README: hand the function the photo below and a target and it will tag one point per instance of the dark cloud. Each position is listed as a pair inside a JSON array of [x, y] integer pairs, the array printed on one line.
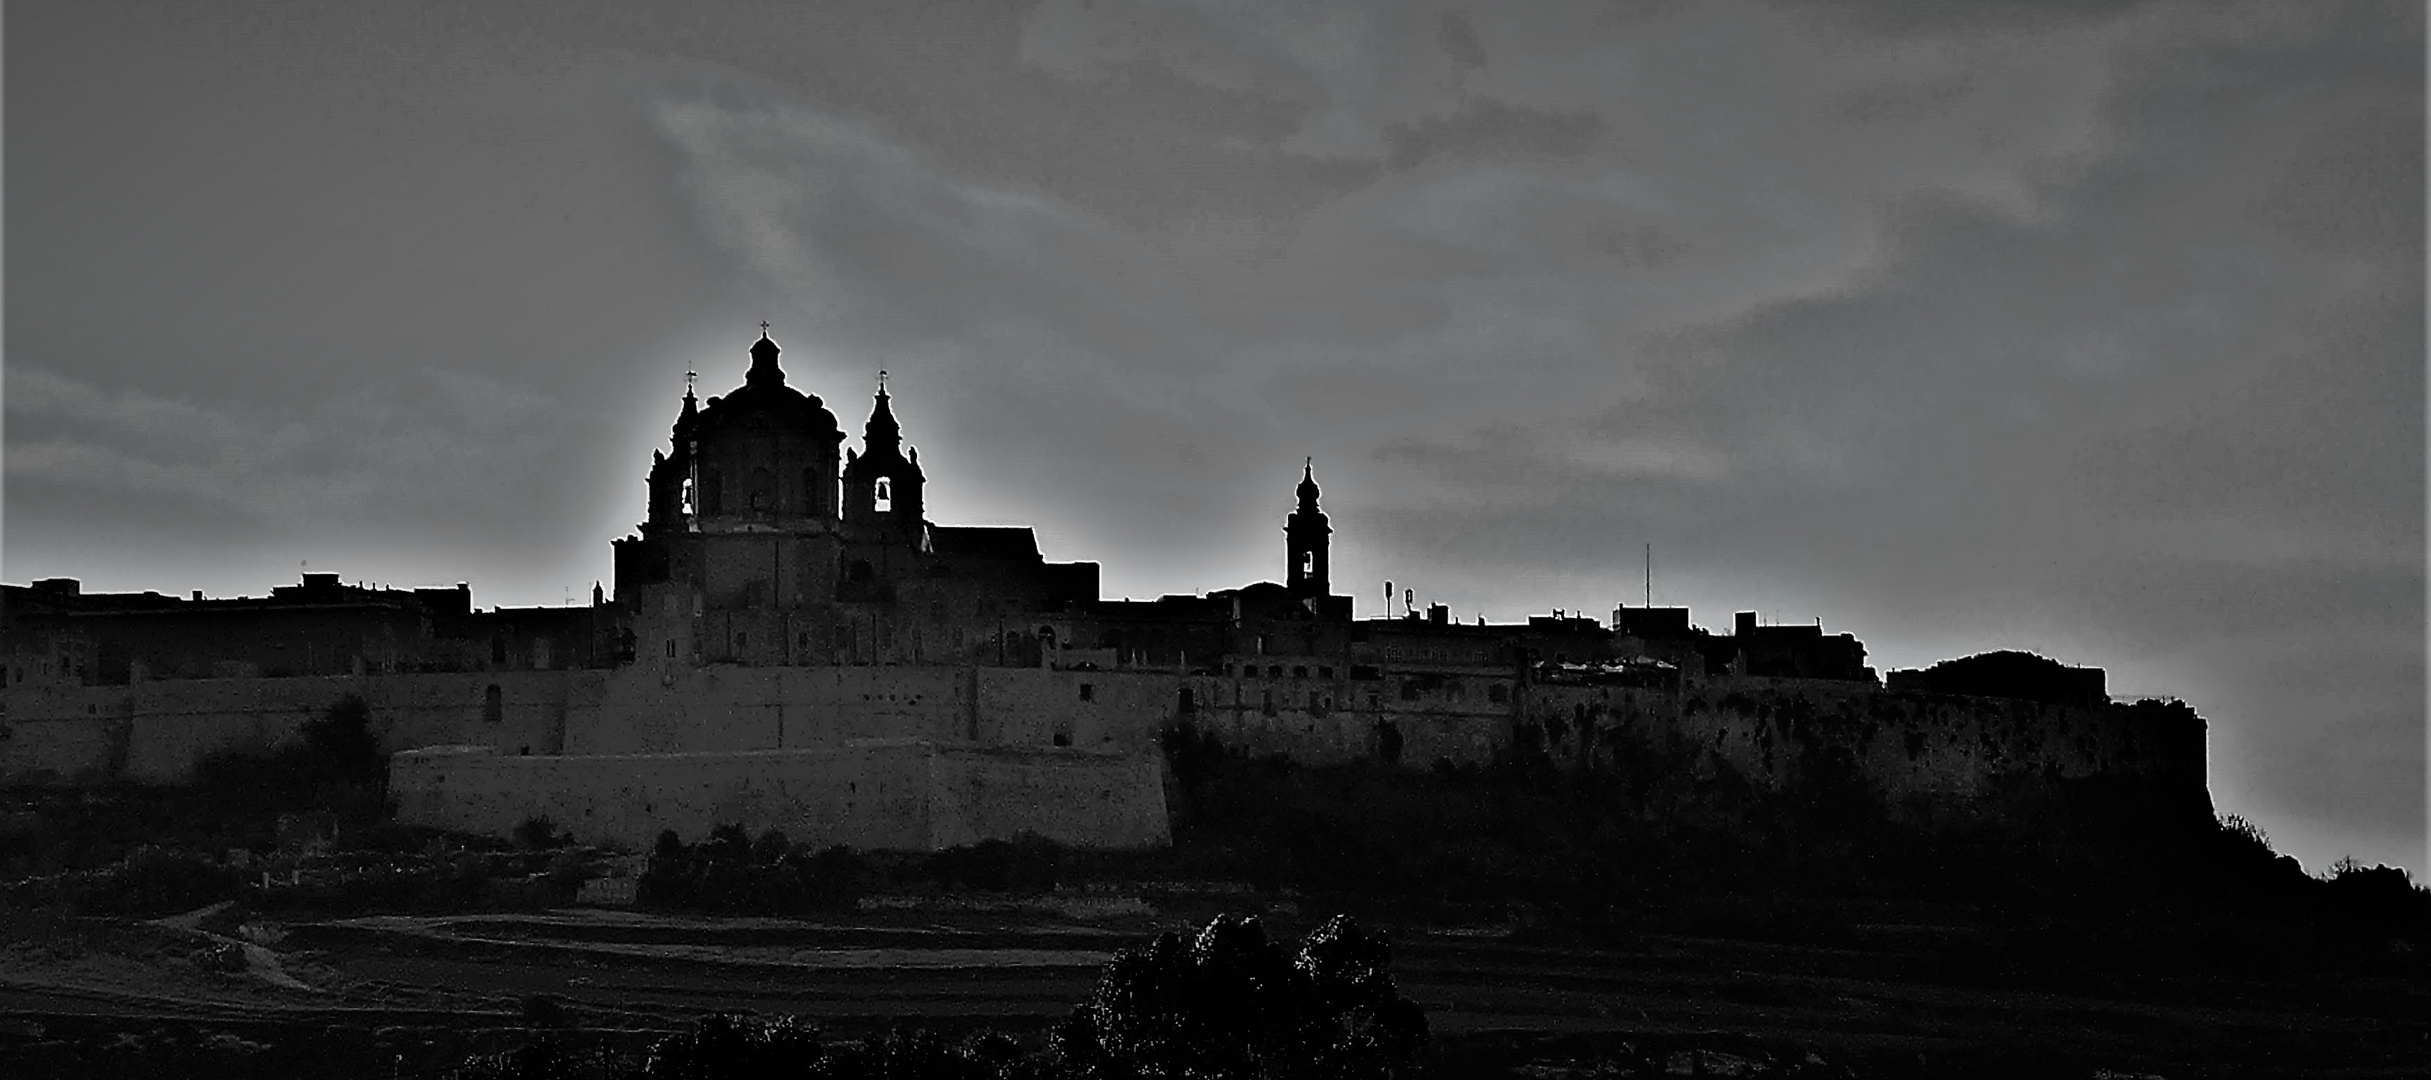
[[1457, 37], [1490, 130]]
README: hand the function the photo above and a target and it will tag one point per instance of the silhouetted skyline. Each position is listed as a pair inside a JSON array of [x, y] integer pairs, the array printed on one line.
[[2094, 330]]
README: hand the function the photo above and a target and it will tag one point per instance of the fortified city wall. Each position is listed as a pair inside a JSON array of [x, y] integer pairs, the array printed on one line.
[[1903, 744], [898, 794]]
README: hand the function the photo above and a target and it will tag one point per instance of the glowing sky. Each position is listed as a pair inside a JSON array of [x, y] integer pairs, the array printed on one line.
[[2093, 329]]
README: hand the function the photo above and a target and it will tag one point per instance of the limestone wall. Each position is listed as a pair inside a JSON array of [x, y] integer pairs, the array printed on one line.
[[639, 710], [1094, 798], [1109, 710], [1329, 718], [1903, 744], [883, 794], [159, 731]]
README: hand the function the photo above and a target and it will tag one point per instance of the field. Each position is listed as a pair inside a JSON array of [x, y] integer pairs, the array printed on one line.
[[215, 993]]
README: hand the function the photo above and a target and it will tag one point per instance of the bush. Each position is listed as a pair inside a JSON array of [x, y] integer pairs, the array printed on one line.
[[539, 834], [150, 881], [729, 874], [1233, 1004], [335, 765]]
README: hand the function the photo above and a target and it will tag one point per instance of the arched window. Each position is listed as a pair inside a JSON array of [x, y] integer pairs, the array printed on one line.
[[884, 499], [763, 497], [713, 494], [493, 704], [810, 491], [690, 507]]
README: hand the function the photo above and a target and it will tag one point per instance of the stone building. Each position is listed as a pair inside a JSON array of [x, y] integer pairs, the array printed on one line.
[[769, 544], [788, 595]]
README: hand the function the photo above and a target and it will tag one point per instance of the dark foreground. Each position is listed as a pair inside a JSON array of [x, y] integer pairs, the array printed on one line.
[[1908, 995]]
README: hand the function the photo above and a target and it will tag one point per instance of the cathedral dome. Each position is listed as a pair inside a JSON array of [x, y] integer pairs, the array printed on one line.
[[765, 401]]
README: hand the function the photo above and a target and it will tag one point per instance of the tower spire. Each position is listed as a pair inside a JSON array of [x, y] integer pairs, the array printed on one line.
[[764, 370], [1305, 539]]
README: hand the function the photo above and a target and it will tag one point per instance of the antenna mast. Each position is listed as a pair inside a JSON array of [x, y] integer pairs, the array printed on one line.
[[1650, 576]]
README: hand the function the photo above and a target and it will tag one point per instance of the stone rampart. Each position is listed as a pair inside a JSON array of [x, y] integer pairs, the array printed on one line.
[[1902, 745], [878, 794], [159, 731]]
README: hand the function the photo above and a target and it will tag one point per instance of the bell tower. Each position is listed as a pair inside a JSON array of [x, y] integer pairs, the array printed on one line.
[[881, 484], [1304, 537]]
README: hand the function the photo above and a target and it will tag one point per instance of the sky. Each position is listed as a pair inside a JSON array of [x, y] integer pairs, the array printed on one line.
[[2093, 329]]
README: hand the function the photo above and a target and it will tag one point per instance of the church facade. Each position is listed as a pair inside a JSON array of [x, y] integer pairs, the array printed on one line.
[[768, 544]]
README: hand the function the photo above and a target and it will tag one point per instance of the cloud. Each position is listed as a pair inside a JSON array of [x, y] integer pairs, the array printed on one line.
[[427, 443]]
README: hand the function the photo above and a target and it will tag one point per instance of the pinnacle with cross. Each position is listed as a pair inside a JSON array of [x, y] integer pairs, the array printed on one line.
[[763, 328]]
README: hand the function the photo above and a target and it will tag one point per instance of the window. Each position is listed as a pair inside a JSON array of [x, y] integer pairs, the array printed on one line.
[[801, 642], [670, 648], [1409, 689], [1299, 671], [883, 500], [689, 506], [1325, 673], [493, 704], [1063, 738], [810, 491], [1088, 692], [763, 489], [1268, 706], [713, 495], [1497, 693], [1308, 563], [1189, 703], [497, 650]]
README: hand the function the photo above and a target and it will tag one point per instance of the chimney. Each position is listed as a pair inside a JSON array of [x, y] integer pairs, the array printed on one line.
[[1439, 614], [1745, 623]]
